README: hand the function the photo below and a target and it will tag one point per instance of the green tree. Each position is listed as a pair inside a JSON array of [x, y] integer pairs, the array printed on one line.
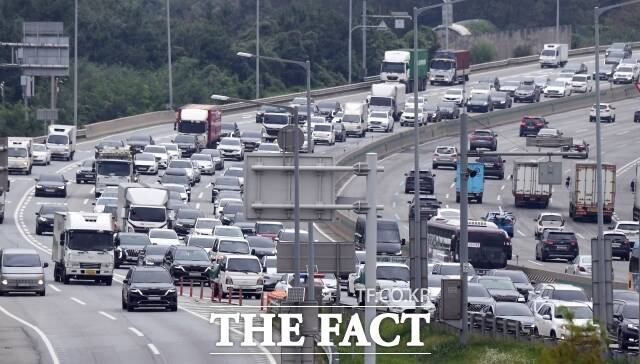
[[482, 52]]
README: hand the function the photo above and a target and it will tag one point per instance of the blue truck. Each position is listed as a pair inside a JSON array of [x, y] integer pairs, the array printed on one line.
[[475, 183]]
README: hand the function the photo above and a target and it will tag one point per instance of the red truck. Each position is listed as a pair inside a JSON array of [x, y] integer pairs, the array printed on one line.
[[450, 67], [200, 119]]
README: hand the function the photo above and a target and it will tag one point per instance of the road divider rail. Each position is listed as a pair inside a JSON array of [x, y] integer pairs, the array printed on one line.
[[345, 221]]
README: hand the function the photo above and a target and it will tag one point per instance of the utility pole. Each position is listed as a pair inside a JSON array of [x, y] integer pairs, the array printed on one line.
[[350, 41], [169, 57], [364, 39], [257, 49], [557, 21], [75, 65], [371, 251]]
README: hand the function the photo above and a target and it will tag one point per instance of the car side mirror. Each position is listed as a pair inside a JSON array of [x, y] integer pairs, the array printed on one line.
[[546, 317], [403, 241], [504, 161], [125, 281], [264, 269], [62, 239], [45, 265]]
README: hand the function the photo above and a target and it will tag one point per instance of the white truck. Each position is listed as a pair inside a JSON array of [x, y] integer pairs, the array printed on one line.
[[583, 202], [83, 246], [61, 141], [388, 96], [142, 207], [636, 198], [20, 155], [113, 166], [554, 55], [355, 118], [525, 187]]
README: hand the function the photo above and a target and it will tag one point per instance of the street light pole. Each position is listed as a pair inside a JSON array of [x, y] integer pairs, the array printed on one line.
[[257, 49], [350, 37], [364, 39], [169, 57], [75, 64], [349, 42], [557, 21]]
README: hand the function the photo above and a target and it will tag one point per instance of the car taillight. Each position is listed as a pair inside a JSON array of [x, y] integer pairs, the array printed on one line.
[[523, 123], [574, 242], [549, 242]]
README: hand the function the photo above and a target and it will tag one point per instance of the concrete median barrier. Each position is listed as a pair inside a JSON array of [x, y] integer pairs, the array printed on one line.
[[97, 130]]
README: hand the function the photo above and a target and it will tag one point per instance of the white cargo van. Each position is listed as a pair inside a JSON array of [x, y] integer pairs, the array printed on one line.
[[554, 55], [356, 118], [61, 141], [20, 155]]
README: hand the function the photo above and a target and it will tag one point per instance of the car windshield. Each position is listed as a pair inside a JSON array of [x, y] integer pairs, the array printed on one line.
[[156, 249], [516, 276], [580, 78], [569, 295], [138, 139], [21, 260], [201, 242], [266, 228], [276, 119], [90, 240], [268, 147], [151, 276], [557, 84], [548, 53], [351, 119], [51, 209], [510, 84], [579, 312], [396, 67], [172, 147], [497, 283], [192, 254], [558, 235], [181, 138], [260, 242], [625, 69], [155, 149], [477, 291], [554, 218], [57, 139], [388, 232], [145, 157], [188, 214], [207, 224], [51, 178], [392, 273], [445, 150], [631, 227], [227, 181], [243, 265], [478, 97], [212, 152], [230, 142], [232, 231], [180, 164], [235, 247], [134, 239], [17, 152], [446, 106], [148, 214], [163, 234], [106, 201], [113, 168], [323, 127], [39, 148], [234, 172], [526, 87], [630, 311], [513, 309]]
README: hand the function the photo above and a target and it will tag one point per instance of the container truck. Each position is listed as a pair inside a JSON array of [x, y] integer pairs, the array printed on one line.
[[475, 183], [113, 166], [389, 96], [83, 247], [202, 120], [61, 141], [142, 207], [355, 119], [450, 67], [583, 197], [554, 55], [397, 66], [20, 155], [527, 192]]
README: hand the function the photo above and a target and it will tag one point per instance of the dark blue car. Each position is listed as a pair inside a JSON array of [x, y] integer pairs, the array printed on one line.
[[505, 220]]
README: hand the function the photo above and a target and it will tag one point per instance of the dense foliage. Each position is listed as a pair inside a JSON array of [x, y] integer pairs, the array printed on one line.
[[123, 55]]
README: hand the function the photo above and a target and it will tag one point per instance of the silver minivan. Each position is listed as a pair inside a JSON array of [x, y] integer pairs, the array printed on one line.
[[21, 270]]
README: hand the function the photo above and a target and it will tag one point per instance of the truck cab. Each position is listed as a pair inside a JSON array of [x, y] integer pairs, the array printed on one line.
[[554, 55], [475, 182], [20, 155], [450, 67], [203, 120], [141, 207], [113, 167], [83, 247], [356, 119]]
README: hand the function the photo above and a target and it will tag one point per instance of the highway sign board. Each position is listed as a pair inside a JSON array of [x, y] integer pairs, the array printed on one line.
[[330, 257]]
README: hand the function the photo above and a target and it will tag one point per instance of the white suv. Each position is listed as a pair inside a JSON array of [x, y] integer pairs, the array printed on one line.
[[625, 73], [607, 112], [550, 321], [238, 272], [454, 95], [548, 221], [629, 228], [581, 83], [445, 155]]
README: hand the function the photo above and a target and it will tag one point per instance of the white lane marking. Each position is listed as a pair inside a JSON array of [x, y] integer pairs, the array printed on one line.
[[153, 349], [107, 315], [567, 170], [198, 205], [77, 301], [623, 132], [453, 184], [53, 287], [499, 197], [581, 130], [136, 331], [502, 188], [201, 194], [393, 204], [520, 232], [579, 235], [513, 149], [93, 189], [396, 216], [446, 195], [86, 200], [446, 206], [536, 263], [45, 339]]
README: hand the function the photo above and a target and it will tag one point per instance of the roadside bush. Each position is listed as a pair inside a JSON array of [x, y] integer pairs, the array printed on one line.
[[522, 50], [482, 52]]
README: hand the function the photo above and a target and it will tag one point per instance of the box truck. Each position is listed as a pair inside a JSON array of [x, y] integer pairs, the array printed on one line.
[[19, 155], [527, 192], [583, 202], [142, 207], [554, 55], [61, 141], [201, 120], [450, 67], [397, 66], [388, 96], [356, 118]]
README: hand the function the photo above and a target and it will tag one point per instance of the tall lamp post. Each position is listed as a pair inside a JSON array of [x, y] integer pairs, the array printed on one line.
[[601, 313], [296, 180], [307, 67], [419, 282], [257, 49], [169, 57], [557, 21], [75, 64], [378, 27]]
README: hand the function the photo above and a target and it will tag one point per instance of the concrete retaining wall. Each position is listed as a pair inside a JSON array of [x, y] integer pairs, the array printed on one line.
[[97, 130]]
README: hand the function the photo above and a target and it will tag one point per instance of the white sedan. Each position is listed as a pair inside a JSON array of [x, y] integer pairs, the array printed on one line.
[[558, 88], [41, 155], [580, 266], [163, 237], [323, 133]]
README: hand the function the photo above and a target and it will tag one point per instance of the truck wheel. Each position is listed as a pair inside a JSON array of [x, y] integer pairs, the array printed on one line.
[[65, 278], [480, 200], [2, 218], [458, 198], [38, 231], [108, 281]]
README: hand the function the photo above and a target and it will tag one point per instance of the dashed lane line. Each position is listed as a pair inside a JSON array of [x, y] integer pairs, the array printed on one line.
[[136, 332], [153, 349], [77, 301], [53, 287], [107, 315]]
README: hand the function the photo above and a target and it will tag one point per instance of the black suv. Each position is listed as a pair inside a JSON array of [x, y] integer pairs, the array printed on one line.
[[231, 129], [526, 92], [188, 263], [148, 287], [557, 244], [531, 125], [186, 220], [128, 247], [87, 172], [480, 102], [137, 142], [44, 217], [429, 206], [624, 326], [493, 166], [426, 182], [152, 255], [636, 117]]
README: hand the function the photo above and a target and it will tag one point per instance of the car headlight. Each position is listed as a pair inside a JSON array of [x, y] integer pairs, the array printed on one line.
[[40, 282], [4, 282], [178, 267], [632, 326], [108, 265], [39, 187], [229, 280], [170, 290], [260, 281], [43, 219], [137, 291], [521, 299], [60, 187]]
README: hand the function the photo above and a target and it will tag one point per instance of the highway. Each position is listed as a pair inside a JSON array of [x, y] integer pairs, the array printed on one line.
[[85, 323]]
